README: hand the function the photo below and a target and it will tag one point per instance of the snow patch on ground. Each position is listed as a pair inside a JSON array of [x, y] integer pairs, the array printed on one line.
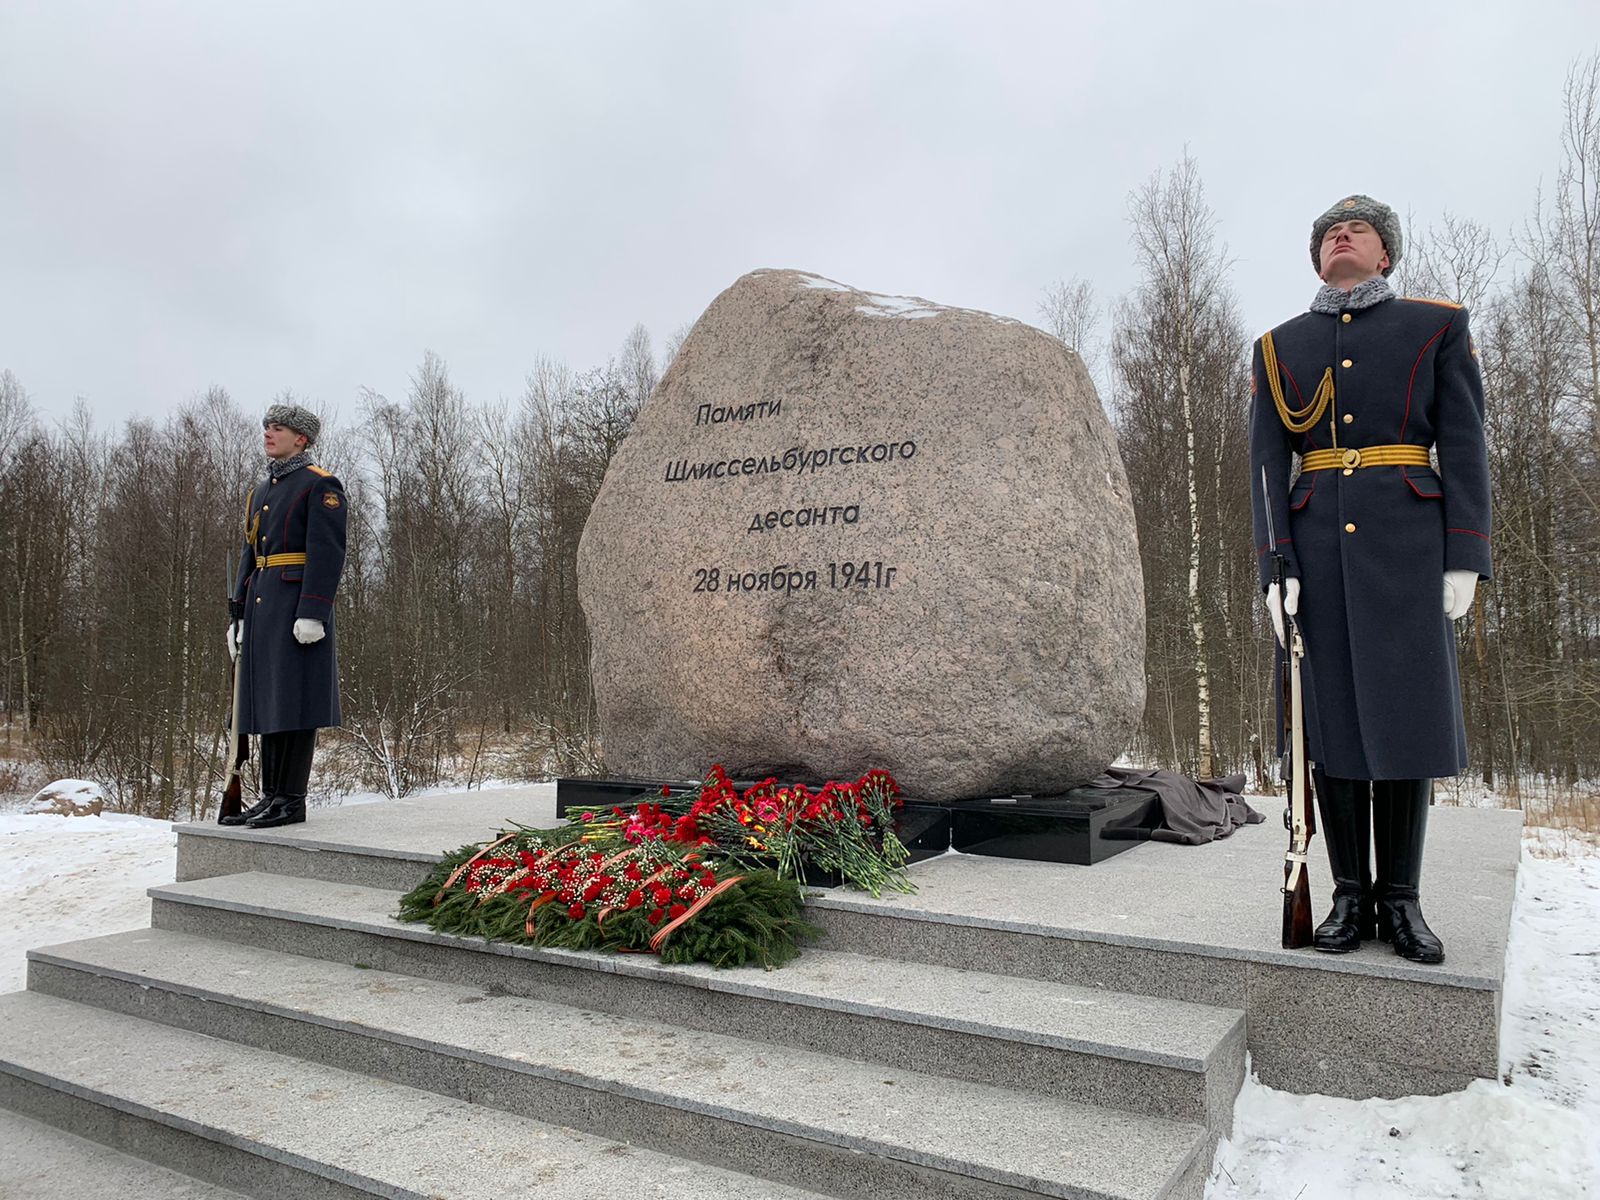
[[63, 878], [1528, 1134]]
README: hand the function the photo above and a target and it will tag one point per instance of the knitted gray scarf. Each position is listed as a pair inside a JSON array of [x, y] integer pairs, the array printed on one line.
[[277, 468], [1368, 292]]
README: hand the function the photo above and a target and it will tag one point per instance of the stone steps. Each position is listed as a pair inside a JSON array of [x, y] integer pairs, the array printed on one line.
[[843, 1127], [1192, 924], [1152, 1056], [42, 1161], [273, 1126]]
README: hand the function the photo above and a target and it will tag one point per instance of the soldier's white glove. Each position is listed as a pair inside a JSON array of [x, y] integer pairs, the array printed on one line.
[[1459, 587], [307, 631], [235, 636], [1276, 605]]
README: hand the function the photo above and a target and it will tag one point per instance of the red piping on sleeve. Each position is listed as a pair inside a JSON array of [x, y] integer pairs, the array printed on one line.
[[1413, 381]]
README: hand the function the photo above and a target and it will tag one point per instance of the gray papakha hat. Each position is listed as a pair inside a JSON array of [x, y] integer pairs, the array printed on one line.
[[1359, 208], [292, 416]]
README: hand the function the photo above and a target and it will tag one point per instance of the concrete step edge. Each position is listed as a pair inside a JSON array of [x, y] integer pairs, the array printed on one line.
[[955, 1094], [123, 1100], [184, 1125], [386, 902], [77, 1165]]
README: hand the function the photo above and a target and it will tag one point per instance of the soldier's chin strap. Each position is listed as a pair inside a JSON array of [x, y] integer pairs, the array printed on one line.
[[1296, 420]]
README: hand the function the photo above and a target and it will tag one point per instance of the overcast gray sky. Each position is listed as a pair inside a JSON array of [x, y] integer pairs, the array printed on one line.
[[309, 195]]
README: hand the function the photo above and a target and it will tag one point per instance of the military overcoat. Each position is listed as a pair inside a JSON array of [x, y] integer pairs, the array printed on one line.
[[285, 685], [1370, 544]]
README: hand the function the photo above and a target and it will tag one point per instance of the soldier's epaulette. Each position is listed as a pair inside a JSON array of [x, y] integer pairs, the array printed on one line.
[[316, 470], [1423, 300]]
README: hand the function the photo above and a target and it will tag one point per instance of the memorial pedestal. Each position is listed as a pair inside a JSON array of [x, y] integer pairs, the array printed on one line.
[[1083, 826]]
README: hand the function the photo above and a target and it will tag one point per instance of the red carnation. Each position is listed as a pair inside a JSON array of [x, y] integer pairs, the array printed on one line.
[[576, 912], [593, 890], [635, 899], [655, 917], [676, 911]]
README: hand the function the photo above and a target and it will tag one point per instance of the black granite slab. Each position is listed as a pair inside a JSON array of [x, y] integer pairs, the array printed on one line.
[[618, 790], [1083, 826]]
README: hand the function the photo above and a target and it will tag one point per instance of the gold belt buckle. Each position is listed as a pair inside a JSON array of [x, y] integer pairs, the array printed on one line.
[[1352, 458]]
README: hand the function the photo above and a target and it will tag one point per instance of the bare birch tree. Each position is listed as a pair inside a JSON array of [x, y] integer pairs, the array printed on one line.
[[1176, 353]]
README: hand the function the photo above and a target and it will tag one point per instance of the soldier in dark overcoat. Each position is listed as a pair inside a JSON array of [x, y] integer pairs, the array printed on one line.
[[1384, 543], [281, 622]]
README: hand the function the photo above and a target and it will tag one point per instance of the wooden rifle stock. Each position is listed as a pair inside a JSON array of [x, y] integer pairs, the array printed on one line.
[[238, 744], [1299, 817]]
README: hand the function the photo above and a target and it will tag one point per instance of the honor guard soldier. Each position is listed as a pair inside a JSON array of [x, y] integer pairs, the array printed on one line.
[[1382, 552], [281, 626]]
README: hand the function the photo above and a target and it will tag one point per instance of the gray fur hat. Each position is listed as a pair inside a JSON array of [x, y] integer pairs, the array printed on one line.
[[1359, 208], [292, 416]]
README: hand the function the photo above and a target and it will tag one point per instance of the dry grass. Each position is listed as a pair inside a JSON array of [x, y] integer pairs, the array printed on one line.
[[1559, 818]]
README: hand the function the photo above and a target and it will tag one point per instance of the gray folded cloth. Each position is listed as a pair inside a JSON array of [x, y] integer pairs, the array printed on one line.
[[1192, 812]]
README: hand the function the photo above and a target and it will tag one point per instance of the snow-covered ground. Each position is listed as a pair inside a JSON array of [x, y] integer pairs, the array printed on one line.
[[1531, 1135], [74, 877]]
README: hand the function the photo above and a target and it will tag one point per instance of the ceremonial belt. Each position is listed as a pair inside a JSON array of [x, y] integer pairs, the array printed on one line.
[[281, 560], [1368, 456]]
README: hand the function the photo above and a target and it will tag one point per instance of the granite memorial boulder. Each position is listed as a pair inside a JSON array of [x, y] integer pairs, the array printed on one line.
[[849, 531]]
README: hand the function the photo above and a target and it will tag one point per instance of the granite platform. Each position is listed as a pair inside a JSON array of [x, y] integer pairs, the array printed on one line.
[[1110, 1006], [1197, 923]]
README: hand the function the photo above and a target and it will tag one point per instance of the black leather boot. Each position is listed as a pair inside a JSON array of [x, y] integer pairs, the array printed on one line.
[[1346, 809], [255, 810], [285, 810], [1400, 811], [294, 748], [271, 758]]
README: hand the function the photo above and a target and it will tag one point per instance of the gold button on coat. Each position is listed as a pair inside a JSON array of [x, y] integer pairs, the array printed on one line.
[[1349, 470], [1345, 318], [1348, 417], [1348, 363], [258, 598], [1350, 528]]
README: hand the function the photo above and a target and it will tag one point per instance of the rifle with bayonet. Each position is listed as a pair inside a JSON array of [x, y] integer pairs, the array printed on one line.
[[238, 744], [1299, 817]]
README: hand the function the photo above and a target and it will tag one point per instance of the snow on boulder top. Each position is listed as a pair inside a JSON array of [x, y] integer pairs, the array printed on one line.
[[69, 798], [873, 304]]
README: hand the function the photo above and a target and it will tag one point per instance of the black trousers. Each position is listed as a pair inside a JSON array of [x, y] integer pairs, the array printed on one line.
[[286, 762]]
